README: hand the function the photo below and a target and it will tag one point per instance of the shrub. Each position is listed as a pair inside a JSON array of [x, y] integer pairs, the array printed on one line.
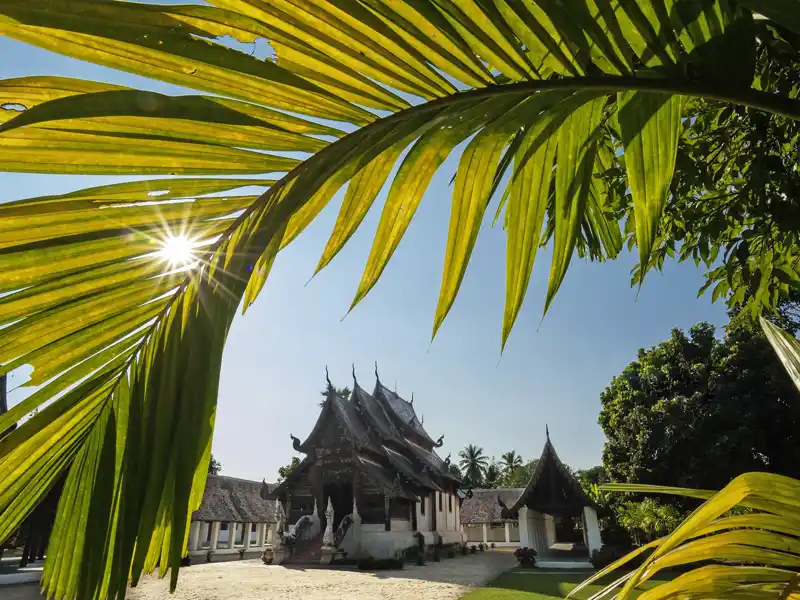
[[492, 545], [608, 554], [473, 549], [525, 556]]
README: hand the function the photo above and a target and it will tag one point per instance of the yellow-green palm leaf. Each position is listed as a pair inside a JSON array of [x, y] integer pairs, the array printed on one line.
[[129, 348]]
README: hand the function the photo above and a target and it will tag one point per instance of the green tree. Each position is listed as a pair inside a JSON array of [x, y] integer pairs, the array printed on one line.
[[283, 472], [648, 519], [473, 463], [592, 476], [492, 475], [520, 476], [214, 466], [454, 470], [342, 392], [116, 287], [510, 461], [729, 400]]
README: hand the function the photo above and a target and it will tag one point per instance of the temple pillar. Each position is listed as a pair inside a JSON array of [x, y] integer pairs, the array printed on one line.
[[524, 532], [246, 532], [205, 533], [508, 532], [261, 534], [214, 535], [387, 518], [231, 535], [287, 511], [484, 527], [594, 541], [550, 530], [194, 536]]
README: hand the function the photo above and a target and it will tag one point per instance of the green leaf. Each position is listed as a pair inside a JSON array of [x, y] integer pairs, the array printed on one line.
[[786, 347], [785, 13], [409, 185], [650, 125], [170, 55], [358, 199], [142, 114], [525, 212], [34, 150], [473, 185], [575, 165]]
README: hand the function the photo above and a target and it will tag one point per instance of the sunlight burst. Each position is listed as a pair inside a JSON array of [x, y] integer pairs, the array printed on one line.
[[178, 251]]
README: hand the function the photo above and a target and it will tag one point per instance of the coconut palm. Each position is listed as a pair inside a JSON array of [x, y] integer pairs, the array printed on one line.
[[120, 297], [473, 463], [510, 461], [492, 475]]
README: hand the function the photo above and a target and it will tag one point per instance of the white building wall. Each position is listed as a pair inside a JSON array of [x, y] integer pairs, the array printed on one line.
[[205, 537]]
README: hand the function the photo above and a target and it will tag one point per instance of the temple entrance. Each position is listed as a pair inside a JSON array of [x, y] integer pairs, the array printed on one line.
[[341, 495]]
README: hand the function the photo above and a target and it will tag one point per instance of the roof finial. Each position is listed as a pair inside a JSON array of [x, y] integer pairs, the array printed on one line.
[[376, 371], [547, 432], [354, 371], [422, 420], [327, 378], [412, 398]]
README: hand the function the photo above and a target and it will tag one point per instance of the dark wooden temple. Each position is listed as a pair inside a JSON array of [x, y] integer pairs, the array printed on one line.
[[371, 449], [552, 489]]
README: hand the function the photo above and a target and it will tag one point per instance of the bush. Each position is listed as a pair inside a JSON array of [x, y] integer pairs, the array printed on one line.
[[473, 549], [451, 554], [525, 556], [608, 554], [492, 544], [464, 549]]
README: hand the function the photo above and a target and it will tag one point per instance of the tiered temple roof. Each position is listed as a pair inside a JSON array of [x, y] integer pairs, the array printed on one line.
[[389, 443], [552, 489]]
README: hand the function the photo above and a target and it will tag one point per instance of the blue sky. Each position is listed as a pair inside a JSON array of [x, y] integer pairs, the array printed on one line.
[[552, 371]]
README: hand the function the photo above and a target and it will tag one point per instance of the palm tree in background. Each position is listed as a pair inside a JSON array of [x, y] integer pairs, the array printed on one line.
[[473, 463], [510, 461], [493, 475]]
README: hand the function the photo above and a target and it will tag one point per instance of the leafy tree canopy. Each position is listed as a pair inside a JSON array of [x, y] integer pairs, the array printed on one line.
[[696, 411], [214, 466], [284, 471], [343, 392]]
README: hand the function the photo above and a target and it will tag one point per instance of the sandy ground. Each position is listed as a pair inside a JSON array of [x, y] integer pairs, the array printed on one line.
[[251, 580]]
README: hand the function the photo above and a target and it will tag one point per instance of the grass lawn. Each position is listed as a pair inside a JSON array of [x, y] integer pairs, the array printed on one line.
[[527, 584]]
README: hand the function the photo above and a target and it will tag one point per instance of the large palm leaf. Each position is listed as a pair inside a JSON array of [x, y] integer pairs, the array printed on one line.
[[131, 355]]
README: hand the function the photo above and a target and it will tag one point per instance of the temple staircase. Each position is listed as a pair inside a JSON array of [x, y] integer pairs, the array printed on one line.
[[306, 552]]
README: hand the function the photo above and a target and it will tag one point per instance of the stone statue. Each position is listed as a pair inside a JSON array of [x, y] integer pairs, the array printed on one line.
[[328, 546], [327, 538]]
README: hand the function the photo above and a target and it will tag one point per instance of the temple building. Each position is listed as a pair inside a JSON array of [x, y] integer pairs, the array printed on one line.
[[526, 517], [371, 485], [232, 522]]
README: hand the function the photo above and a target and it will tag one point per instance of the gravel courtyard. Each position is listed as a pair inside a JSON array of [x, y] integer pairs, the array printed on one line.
[[251, 580]]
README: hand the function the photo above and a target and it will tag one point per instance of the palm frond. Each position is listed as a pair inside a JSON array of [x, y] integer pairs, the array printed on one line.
[[129, 351]]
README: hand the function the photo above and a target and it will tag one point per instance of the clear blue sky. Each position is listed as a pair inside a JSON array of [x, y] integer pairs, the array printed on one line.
[[274, 363]]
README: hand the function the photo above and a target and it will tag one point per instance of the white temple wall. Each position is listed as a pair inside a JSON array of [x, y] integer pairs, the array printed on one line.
[[227, 544], [400, 525]]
